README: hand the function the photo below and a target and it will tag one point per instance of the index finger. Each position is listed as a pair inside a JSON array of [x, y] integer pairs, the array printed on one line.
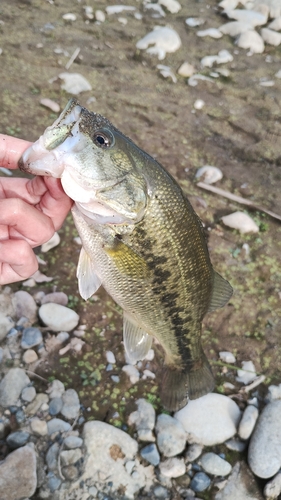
[[11, 150]]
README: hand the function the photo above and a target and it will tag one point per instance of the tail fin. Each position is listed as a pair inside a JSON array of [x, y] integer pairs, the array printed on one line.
[[177, 385]]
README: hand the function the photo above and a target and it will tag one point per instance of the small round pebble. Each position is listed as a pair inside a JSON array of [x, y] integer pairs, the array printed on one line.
[[151, 454], [57, 425], [20, 416], [56, 298], [110, 357], [72, 442], [56, 389], [200, 482], [71, 472], [55, 406], [28, 394], [29, 356], [227, 357], [54, 483], [172, 467], [215, 465], [31, 337], [161, 492], [17, 439], [39, 427], [71, 404], [70, 457], [58, 318], [193, 452]]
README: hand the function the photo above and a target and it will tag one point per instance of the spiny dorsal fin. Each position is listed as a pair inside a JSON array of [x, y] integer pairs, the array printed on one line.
[[222, 291], [88, 281], [128, 261], [136, 341]]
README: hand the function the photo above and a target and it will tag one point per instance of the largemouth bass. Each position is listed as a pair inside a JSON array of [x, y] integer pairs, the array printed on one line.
[[141, 240]]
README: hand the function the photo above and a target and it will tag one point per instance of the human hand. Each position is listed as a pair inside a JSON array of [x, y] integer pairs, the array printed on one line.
[[30, 212]]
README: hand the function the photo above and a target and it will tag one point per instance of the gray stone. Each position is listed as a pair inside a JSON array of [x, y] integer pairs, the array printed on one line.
[[209, 420], [18, 474], [35, 405], [215, 465], [39, 427], [193, 452], [241, 484], [31, 337], [57, 425], [56, 298], [72, 442], [56, 389], [6, 304], [144, 420], [12, 385], [53, 483], [248, 422], [161, 492], [55, 406], [71, 472], [171, 436], [28, 394], [24, 305], [172, 467], [62, 337], [236, 445], [6, 323], [70, 457], [20, 416], [150, 454], [264, 455], [200, 482], [17, 439], [273, 487], [52, 456], [71, 404], [58, 318]]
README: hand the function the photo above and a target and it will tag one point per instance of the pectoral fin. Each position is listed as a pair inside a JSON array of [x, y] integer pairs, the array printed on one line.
[[222, 291], [88, 281], [128, 261], [136, 341]]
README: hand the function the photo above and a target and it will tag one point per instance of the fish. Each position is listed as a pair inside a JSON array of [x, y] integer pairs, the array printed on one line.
[[141, 240]]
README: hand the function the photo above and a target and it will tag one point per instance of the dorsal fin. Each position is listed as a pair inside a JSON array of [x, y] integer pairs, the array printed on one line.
[[136, 341], [221, 293], [88, 281]]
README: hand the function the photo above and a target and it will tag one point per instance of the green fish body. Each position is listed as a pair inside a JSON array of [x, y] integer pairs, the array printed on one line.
[[141, 240]]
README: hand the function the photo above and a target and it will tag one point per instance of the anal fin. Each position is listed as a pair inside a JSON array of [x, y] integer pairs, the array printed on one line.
[[221, 293], [136, 341], [88, 281]]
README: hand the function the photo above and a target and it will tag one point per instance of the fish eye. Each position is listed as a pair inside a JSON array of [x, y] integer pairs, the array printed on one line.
[[103, 139]]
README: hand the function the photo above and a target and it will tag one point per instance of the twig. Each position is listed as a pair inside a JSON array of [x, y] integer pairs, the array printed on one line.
[[38, 376], [73, 57], [238, 199], [259, 380]]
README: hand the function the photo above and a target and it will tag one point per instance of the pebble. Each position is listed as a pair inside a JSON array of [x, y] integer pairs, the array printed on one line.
[[200, 482], [209, 420], [56, 298], [227, 357], [212, 32], [247, 16], [236, 445], [117, 9], [235, 28], [12, 385], [271, 37], [52, 456], [186, 69], [209, 174], [172, 6], [39, 427], [166, 72], [62, 337], [144, 420], [193, 452], [229, 4], [31, 337], [74, 83], [58, 318], [215, 465], [17, 439], [53, 483], [70, 457], [264, 454], [240, 221], [163, 39], [150, 454], [223, 57], [70, 472], [240, 485], [132, 373], [161, 492], [6, 323], [274, 392], [172, 467], [72, 442], [248, 422], [57, 425], [28, 394], [29, 356], [110, 357], [54, 241], [56, 389], [71, 404], [193, 80], [156, 10], [50, 104], [100, 16], [247, 374], [192, 22], [251, 40], [24, 305], [273, 488], [55, 406], [35, 405], [18, 478], [275, 24], [171, 436]]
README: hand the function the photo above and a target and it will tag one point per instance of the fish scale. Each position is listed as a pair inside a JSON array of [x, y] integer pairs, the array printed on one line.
[[141, 240]]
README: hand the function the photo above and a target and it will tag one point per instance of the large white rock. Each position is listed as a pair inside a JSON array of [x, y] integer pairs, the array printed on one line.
[[251, 40], [264, 454], [248, 16], [235, 28], [163, 39], [18, 478], [271, 37], [241, 221], [209, 420], [58, 318]]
